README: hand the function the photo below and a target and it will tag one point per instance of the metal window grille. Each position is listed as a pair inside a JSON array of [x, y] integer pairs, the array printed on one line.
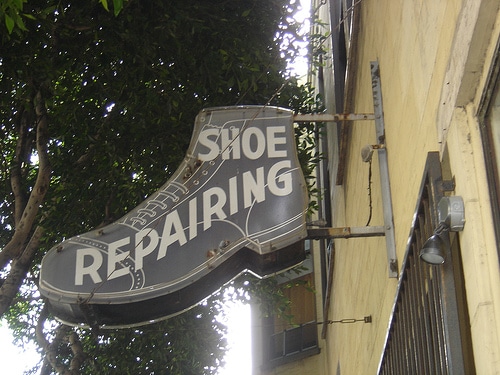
[[294, 340], [423, 336]]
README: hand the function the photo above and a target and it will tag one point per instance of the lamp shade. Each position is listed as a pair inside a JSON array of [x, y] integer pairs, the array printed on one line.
[[433, 251]]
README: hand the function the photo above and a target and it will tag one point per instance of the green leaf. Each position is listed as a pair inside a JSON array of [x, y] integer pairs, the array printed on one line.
[[20, 23], [9, 23], [117, 6], [104, 4], [18, 4]]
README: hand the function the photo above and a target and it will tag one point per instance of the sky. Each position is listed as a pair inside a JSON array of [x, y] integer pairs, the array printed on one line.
[[14, 359], [239, 357]]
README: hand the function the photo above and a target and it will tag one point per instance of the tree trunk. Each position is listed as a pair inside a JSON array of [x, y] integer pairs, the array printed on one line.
[[18, 270], [16, 249]]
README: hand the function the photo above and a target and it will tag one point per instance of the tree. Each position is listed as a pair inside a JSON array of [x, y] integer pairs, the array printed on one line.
[[96, 111]]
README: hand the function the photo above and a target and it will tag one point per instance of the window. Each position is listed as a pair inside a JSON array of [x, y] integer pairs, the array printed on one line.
[[429, 331], [283, 342], [491, 142]]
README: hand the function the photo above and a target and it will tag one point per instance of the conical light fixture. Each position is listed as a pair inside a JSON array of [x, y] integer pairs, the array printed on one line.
[[451, 218]]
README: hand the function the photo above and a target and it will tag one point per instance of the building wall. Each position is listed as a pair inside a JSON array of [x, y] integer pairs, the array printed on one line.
[[435, 58], [437, 61]]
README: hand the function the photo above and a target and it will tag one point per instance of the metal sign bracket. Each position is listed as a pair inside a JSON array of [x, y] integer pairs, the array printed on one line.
[[387, 229]]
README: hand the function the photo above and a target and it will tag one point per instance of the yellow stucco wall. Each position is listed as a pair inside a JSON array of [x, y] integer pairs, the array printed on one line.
[[311, 365], [436, 59], [421, 46], [480, 261], [409, 40]]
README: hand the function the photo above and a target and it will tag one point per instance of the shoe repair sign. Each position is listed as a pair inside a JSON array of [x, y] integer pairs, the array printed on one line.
[[236, 203]]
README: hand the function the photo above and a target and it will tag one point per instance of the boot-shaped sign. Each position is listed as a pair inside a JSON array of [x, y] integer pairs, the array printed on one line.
[[236, 203]]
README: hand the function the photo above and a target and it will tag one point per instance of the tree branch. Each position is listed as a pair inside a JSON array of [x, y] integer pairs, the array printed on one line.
[[78, 354], [42, 341], [51, 351], [25, 224], [18, 271], [17, 161], [40, 337], [63, 334]]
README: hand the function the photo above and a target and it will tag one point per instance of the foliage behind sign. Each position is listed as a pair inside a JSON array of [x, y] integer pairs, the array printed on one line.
[[96, 113]]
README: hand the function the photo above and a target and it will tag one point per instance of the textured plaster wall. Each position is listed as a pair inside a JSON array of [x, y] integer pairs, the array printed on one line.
[[411, 41], [480, 260], [436, 59], [426, 52]]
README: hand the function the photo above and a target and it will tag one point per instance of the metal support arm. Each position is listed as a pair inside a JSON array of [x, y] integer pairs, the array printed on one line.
[[326, 117], [344, 232], [388, 229]]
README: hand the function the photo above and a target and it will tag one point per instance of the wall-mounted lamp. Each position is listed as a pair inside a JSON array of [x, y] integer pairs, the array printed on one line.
[[451, 215]]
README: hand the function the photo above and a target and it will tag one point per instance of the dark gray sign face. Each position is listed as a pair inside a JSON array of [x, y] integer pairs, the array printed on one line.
[[236, 203]]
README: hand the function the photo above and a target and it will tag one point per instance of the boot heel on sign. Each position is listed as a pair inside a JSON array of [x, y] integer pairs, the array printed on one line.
[[236, 203]]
